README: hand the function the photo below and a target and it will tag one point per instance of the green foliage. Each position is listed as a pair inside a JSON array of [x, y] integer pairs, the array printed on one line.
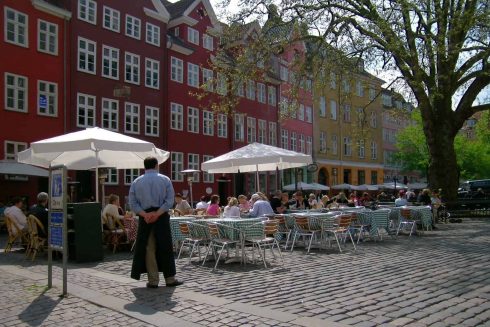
[[473, 155]]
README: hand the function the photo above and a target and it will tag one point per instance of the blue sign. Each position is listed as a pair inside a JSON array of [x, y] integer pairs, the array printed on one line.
[[43, 102], [56, 230], [56, 217]]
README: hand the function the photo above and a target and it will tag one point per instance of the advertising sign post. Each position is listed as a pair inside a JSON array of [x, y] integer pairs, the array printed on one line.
[[57, 221]]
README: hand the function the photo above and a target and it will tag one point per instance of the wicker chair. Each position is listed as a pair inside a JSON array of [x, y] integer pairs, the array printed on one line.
[[36, 242], [15, 234]]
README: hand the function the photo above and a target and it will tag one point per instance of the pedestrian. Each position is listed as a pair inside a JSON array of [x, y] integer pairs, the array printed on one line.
[[151, 196]]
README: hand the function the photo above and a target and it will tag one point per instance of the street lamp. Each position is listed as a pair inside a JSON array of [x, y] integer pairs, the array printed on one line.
[[190, 180]]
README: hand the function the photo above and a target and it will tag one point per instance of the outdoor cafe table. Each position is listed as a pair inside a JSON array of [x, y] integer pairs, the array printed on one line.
[[421, 213], [377, 219]]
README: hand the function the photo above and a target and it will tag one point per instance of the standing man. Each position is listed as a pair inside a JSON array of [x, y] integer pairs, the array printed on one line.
[[151, 196]]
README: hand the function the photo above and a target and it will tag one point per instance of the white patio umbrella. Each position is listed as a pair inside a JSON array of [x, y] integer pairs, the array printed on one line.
[[91, 148], [319, 187], [367, 187], [342, 187], [298, 186], [392, 186], [256, 157], [12, 167], [417, 186]]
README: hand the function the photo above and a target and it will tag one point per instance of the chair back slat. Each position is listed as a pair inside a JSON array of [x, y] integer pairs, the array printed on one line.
[[184, 228], [213, 230], [270, 227], [405, 213], [12, 227], [345, 221], [302, 222]]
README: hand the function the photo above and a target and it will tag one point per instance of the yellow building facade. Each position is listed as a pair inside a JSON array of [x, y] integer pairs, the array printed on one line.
[[348, 138]]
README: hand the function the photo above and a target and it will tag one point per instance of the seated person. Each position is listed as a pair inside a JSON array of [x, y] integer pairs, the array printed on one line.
[[365, 200], [182, 206], [202, 204], [312, 202], [261, 206], [424, 197], [301, 203], [401, 200], [40, 211], [232, 210], [16, 213], [213, 208], [341, 198], [111, 210], [276, 203], [244, 205]]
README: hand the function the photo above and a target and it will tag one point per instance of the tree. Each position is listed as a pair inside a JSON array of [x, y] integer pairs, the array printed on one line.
[[473, 155], [440, 48]]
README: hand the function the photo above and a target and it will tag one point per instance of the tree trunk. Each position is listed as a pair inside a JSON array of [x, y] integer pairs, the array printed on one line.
[[443, 167]]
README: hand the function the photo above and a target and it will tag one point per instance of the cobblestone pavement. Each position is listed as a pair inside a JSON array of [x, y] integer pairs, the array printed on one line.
[[441, 278]]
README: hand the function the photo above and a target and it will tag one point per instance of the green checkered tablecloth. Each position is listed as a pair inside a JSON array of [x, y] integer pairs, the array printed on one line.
[[377, 219], [419, 213], [175, 229], [249, 227]]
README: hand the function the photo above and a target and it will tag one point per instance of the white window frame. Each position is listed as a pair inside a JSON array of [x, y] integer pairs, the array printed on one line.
[[19, 29], [335, 144], [50, 45], [88, 108], [374, 150], [112, 177], [301, 112], [192, 74], [347, 146], [152, 73], [111, 19], [283, 73], [308, 114], [323, 142], [345, 86], [301, 142], [50, 96], [262, 134], [208, 123], [176, 70], [17, 147], [152, 34], [207, 79], [309, 145], [374, 119], [87, 11], [272, 95], [109, 61], [192, 35], [250, 91], [285, 139], [333, 80], [347, 113], [333, 109], [372, 93], [323, 107], [359, 88], [239, 127], [251, 130], [132, 66], [193, 163], [294, 141], [130, 175], [152, 121], [361, 149], [88, 54], [131, 118], [222, 126], [208, 42], [193, 120], [177, 165], [221, 84], [261, 96], [176, 116], [272, 133], [207, 178], [133, 27], [110, 114], [19, 93]]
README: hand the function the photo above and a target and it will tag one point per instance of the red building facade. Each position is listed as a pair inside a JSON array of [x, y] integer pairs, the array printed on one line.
[[118, 78], [33, 53]]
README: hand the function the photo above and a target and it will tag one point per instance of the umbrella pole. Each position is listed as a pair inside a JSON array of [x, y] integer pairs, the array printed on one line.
[[257, 177], [96, 175]]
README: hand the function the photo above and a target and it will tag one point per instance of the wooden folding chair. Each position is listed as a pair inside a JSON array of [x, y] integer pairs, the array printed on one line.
[[15, 234]]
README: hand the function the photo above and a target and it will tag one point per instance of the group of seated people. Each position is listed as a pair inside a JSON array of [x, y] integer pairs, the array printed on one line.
[[19, 214]]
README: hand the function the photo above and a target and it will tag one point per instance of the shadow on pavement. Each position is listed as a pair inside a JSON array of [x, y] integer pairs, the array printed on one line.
[[149, 301], [38, 310]]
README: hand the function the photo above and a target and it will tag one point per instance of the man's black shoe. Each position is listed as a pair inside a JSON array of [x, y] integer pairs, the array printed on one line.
[[175, 283], [148, 285]]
